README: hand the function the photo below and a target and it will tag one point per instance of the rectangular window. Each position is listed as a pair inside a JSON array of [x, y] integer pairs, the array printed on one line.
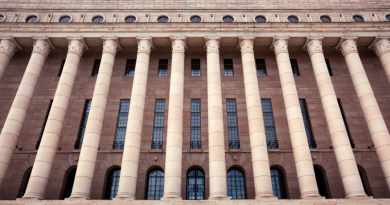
[[269, 124], [121, 124], [61, 68], [195, 124], [130, 67], [228, 67], [44, 125], [345, 123], [294, 66], [158, 125], [306, 121], [83, 124], [195, 67], [95, 69], [260, 66], [234, 142], [163, 67], [329, 68]]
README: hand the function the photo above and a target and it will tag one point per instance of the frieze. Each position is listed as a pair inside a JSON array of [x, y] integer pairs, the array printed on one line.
[[382, 46]]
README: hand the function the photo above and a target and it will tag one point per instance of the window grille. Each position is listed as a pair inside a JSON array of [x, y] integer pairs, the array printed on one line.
[[228, 19], [195, 185], [112, 184], [195, 67], [121, 125], [228, 67], [158, 126], [260, 66], [155, 185], [83, 124], [236, 184], [234, 142], [163, 67], [278, 184], [195, 124], [130, 67], [269, 124]]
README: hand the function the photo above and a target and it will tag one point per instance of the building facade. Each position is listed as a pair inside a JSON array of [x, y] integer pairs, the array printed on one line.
[[194, 101]]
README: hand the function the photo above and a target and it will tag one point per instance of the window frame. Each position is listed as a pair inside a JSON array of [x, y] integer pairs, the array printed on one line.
[[195, 64], [282, 185], [48, 109], [312, 142], [261, 63], [161, 67], [196, 143], [158, 143], [120, 143], [111, 179], [61, 68], [161, 178], [96, 67], [329, 67], [345, 122], [131, 15], [271, 144], [235, 179], [84, 117], [129, 65], [233, 143], [294, 62], [226, 71], [196, 180]]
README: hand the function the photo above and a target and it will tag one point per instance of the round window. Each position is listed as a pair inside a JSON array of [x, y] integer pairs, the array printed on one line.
[[325, 19], [357, 18], [163, 19], [293, 19], [196, 19], [97, 19], [388, 17], [32, 19], [65, 19], [130, 19], [1, 18], [228, 19], [260, 19]]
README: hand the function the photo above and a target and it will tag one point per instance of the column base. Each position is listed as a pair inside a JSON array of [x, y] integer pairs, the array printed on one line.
[[219, 197], [312, 197], [77, 198], [266, 198], [29, 199], [124, 197], [171, 198], [357, 197]]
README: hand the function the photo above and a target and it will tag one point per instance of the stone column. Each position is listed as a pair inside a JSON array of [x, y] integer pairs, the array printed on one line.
[[17, 114], [373, 116], [173, 160], [350, 176], [217, 163], [89, 150], [303, 162], [47, 150], [381, 46], [258, 139], [8, 46], [132, 148]]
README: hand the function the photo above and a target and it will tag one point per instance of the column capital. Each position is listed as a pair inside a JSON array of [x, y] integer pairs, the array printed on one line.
[[245, 45], [280, 45], [212, 44], [77, 45], [178, 44], [145, 45], [8, 46], [42, 45], [313, 45], [347, 45], [380, 45], [111, 45]]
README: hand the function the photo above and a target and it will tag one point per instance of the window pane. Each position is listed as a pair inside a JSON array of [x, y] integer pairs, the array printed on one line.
[[121, 125], [306, 121], [130, 67], [83, 124], [95, 69], [163, 67], [195, 67], [260, 65], [158, 125], [155, 185], [294, 66], [44, 125], [195, 124], [236, 184], [228, 67]]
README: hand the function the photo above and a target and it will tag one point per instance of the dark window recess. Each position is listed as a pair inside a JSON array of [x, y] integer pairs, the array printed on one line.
[[260, 66], [357, 18], [98, 19], [195, 67], [195, 19], [228, 67], [388, 17], [1, 17], [306, 121], [345, 123], [293, 19], [260, 19], [163, 67], [83, 125], [294, 67], [234, 142], [328, 66], [44, 125], [95, 69], [158, 125], [320, 178], [228, 19], [23, 185], [163, 19], [325, 19], [155, 185], [61, 68], [130, 19], [112, 184], [32, 19], [130, 67], [195, 185], [195, 124], [65, 19], [270, 131], [236, 184], [69, 184], [121, 124], [278, 184]]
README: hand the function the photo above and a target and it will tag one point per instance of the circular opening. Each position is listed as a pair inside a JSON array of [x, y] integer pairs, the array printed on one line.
[[260, 19], [196, 19], [1, 18], [163, 19], [387, 17], [97, 19], [228, 19], [293, 19], [325, 19], [130, 19], [32, 19], [357, 18], [65, 19]]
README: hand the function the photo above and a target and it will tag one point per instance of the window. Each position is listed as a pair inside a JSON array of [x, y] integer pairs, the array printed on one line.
[[163, 19], [112, 184], [195, 67], [1, 18], [95, 69], [195, 124], [260, 66], [23, 185], [234, 142], [61, 68], [328, 66], [195, 19], [158, 125], [278, 184], [293, 19], [130, 19], [270, 132], [44, 125], [325, 19], [69, 183], [358, 18], [294, 67], [320, 178], [32, 19], [260, 19], [98, 19], [306, 121], [130, 67], [387, 17], [163, 67], [195, 185], [228, 19], [345, 123], [228, 67], [121, 124], [236, 184], [65, 19], [83, 124], [155, 185]]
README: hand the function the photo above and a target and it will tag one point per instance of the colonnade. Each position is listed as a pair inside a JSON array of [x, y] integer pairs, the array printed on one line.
[[173, 163]]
